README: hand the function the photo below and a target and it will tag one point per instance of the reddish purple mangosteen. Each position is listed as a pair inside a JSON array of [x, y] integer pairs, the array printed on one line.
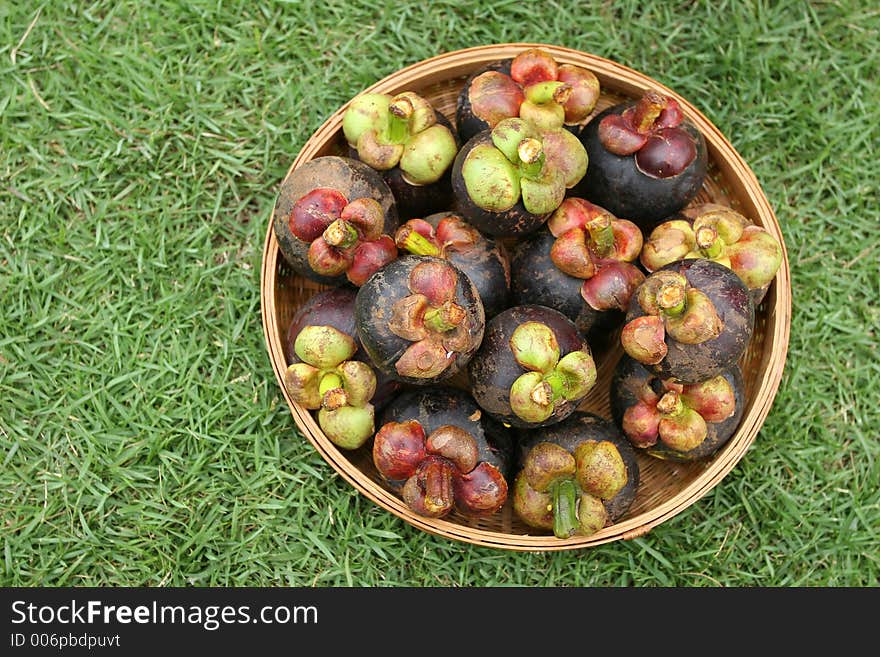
[[420, 319], [483, 259], [335, 308], [647, 161], [409, 142], [533, 367], [689, 321], [441, 453], [676, 421], [721, 234], [575, 477], [532, 86], [581, 264], [333, 220]]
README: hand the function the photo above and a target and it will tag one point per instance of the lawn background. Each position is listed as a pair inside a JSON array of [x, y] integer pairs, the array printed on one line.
[[143, 437]]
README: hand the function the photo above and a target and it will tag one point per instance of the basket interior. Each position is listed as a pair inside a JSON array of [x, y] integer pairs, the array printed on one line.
[[665, 487]]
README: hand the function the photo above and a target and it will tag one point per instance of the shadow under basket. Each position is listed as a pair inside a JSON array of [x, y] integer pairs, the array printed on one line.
[[666, 488]]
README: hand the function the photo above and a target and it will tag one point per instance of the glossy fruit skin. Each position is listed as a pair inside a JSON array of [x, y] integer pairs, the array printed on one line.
[[353, 179], [375, 300], [629, 378], [493, 369], [418, 200], [515, 222], [535, 279], [580, 427], [335, 307], [616, 183], [692, 363], [487, 264]]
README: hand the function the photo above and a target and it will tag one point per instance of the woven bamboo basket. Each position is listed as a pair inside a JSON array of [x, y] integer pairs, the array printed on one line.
[[666, 488]]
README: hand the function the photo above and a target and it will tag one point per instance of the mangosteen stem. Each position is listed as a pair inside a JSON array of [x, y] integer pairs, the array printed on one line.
[[531, 155], [341, 234], [670, 404], [438, 485], [708, 242], [414, 242], [444, 318], [565, 518], [672, 299], [549, 390], [646, 111], [333, 395], [602, 235], [399, 113]]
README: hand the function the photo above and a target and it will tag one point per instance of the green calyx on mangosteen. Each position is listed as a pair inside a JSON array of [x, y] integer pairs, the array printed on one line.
[[332, 220], [576, 477], [420, 319], [508, 180], [482, 259], [532, 368], [721, 234], [689, 320], [400, 131], [326, 379], [672, 420]]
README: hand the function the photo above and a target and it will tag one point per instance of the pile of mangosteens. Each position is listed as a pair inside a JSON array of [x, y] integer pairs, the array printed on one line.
[[473, 268]]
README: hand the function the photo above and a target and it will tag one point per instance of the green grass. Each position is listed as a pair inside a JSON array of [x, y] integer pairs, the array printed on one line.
[[143, 437]]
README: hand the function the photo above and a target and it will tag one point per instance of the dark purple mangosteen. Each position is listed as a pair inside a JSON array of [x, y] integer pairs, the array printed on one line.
[[581, 264], [483, 259], [647, 161], [689, 321], [420, 319], [333, 219], [409, 142], [675, 421], [509, 180], [533, 367], [440, 452], [575, 477]]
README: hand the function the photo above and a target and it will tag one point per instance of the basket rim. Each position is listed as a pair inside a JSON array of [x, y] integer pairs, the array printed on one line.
[[629, 81]]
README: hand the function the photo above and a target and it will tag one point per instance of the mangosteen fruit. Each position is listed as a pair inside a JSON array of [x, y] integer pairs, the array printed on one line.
[[647, 160], [532, 86], [575, 477], [676, 421], [689, 320], [440, 452], [483, 259], [333, 219], [508, 180], [719, 233], [533, 367], [581, 264], [409, 142], [334, 307], [328, 380], [420, 319]]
